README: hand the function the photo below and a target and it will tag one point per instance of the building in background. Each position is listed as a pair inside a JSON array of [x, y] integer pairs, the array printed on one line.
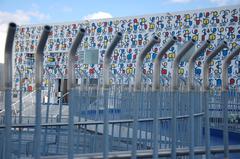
[[216, 24]]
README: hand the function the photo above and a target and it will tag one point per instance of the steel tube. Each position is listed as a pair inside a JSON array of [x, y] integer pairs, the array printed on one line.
[[225, 66], [107, 58], [157, 63], [71, 85], [39, 58], [192, 60], [192, 95], [106, 68], [175, 87], [207, 62], [8, 89], [183, 51], [224, 99], [139, 62], [205, 95]]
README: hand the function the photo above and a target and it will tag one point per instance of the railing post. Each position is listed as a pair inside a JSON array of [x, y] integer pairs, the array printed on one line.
[[137, 93], [8, 89], [175, 87], [157, 63], [205, 95], [155, 89], [71, 86], [224, 99], [106, 68], [39, 57], [191, 96]]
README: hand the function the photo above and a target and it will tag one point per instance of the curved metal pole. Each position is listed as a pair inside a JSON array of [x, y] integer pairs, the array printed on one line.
[[192, 95], [139, 62], [205, 95], [207, 62], [107, 58], [225, 66], [8, 89], [185, 49], [175, 87], [39, 57], [106, 68], [157, 63], [192, 60], [71, 85]]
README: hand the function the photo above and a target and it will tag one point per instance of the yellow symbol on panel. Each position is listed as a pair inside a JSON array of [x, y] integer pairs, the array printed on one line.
[[181, 71], [212, 36], [148, 56], [233, 36], [151, 26], [129, 70], [113, 65], [215, 13], [187, 16], [180, 23], [205, 21], [195, 37], [171, 55], [234, 44], [211, 63]]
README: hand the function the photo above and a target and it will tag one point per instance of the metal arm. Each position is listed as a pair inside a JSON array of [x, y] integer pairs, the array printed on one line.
[[8, 88], [40, 57], [71, 58], [139, 63], [207, 62], [107, 58], [226, 63], [157, 63], [188, 46], [191, 64]]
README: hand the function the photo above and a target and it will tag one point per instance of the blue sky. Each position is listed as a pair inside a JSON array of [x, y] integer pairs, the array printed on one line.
[[51, 11]]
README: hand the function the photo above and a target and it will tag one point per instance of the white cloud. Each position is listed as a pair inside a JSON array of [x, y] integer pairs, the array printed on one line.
[[98, 15], [181, 1], [19, 17], [224, 2], [219, 2]]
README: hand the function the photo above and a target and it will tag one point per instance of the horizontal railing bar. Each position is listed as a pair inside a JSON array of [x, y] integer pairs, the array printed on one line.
[[98, 122], [148, 153]]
